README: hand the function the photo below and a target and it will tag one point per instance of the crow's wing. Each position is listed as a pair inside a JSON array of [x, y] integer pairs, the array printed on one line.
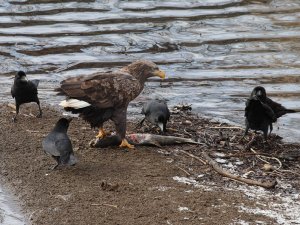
[[12, 91], [49, 145], [35, 82], [268, 110], [64, 147]]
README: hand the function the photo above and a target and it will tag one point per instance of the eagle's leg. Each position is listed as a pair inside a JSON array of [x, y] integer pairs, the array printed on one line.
[[119, 118], [101, 133]]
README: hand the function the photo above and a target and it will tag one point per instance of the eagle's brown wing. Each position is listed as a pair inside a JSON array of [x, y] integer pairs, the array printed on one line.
[[103, 89]]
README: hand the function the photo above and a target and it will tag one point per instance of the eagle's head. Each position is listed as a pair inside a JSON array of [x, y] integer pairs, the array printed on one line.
[[143, 69]]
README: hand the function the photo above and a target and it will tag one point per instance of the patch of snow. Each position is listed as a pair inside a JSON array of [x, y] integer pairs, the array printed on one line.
[[240, 222], [162, 188], [283, 208], [193, 182], [219, 154], [185, 180], [222, 161], [230, 165], [183, 209], [238, 163], [170, 160]]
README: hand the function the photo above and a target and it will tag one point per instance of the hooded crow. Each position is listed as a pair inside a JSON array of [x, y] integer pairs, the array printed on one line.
[[157, 113], [24, 91], [58, 144]]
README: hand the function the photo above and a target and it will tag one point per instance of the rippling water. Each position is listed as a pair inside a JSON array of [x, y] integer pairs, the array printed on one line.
[[214, 51]]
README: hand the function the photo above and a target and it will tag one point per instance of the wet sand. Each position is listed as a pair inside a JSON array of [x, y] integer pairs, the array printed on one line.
[[147, 185]]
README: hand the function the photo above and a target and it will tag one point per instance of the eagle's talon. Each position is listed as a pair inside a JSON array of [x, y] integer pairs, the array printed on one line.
[[101, 133], [125, 144]]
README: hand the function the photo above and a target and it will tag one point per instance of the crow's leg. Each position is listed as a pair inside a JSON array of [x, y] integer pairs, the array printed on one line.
[[41, 113], [246, 131], [165, 127], [54, 167], [57, 162], [14, 119], [140, 124], [271, 128]]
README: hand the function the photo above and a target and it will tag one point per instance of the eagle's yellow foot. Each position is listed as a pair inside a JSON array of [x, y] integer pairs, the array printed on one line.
[[101, 133], [125, 144]]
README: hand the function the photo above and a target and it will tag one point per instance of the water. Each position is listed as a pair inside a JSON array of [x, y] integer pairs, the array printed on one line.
[[9, 210], [214, 51]]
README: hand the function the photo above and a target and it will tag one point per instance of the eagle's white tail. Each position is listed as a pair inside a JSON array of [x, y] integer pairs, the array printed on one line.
[[74, 103]]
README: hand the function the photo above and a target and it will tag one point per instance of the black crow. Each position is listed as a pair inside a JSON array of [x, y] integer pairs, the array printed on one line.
[[157, 113], [24, 91], [58, 144], [277, 108], [259, 116]]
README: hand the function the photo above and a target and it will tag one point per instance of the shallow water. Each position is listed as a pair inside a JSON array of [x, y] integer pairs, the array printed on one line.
[[214, 51], [9, 211]]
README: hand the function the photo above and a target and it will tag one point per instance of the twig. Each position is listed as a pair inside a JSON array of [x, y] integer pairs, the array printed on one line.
[[245, 154], [33, 131], [222, 171], [31, 215], [289, 171], [104, 204], [239, 128], [193, 156], [186, 172], [259, 157], [187, 133], [247, 147], [246, 174], [171, 129]]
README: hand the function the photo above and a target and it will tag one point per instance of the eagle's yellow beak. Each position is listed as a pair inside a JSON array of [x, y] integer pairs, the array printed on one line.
[[160, 74]]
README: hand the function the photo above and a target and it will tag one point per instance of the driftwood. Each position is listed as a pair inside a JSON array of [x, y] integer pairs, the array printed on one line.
[[220, 170], [193, 156], [238, 128]]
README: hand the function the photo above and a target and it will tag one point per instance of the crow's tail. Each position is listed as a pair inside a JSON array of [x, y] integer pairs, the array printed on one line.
[[292, 110]]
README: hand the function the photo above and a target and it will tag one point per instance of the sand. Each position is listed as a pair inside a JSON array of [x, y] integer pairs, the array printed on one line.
[[147, 185]]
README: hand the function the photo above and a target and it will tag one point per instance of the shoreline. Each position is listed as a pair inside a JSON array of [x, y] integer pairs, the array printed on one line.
[[10, 207], [147, 185]]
